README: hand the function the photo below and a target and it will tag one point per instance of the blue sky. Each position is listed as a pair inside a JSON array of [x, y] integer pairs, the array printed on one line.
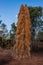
[[9, 9]]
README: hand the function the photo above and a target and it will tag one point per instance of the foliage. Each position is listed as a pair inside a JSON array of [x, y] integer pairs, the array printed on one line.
[[36, 15], [13, 31], [0, 41], [37, 22], [40, 35], [5, 31], [0, 21]]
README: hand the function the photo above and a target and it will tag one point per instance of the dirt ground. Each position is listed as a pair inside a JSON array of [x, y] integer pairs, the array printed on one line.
[[36, 58]]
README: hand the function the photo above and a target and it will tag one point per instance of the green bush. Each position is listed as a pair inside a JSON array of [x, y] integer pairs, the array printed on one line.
[[0, 41]]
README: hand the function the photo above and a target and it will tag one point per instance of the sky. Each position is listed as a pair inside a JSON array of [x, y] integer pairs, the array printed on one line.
[[9, 9]]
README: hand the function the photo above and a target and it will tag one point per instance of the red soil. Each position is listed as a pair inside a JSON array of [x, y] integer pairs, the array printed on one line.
[[6, 59], [35, 59]]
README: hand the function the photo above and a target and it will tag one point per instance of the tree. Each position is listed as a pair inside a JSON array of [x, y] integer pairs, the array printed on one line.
[[13, 32], [5, 31], [40, 36], [35, 15], [0, 21], [37, 23], [40, 40]]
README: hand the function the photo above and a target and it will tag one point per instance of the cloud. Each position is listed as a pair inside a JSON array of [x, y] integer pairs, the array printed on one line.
[[16, 15]]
